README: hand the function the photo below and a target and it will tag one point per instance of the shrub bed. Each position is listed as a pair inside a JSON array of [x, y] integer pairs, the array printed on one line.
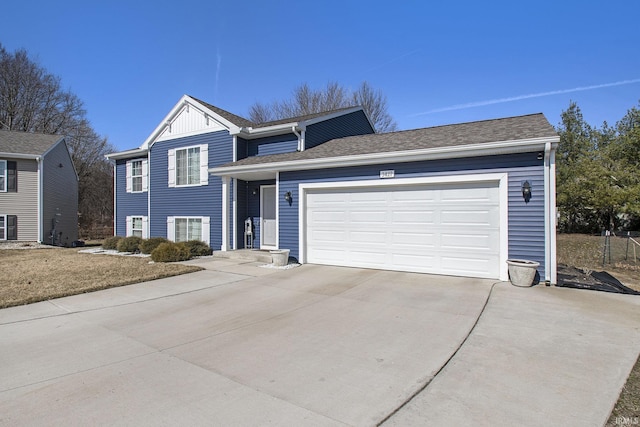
[[129, 244], [111, 242], [148, 245], [198, 248], [170, 252]]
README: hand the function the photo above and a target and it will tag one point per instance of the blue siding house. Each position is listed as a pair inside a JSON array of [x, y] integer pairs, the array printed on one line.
[[455, 200]]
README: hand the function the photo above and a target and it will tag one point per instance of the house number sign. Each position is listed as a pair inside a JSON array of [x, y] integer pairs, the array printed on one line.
[[387, 174]]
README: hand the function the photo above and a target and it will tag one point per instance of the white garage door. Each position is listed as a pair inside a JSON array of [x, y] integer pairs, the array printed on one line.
[[451, 229]]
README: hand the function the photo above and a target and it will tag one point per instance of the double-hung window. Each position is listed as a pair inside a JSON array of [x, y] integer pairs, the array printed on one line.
[[188, 229], [137, 225], [184, 228], [188, 166], [3, 227], [137, 176]]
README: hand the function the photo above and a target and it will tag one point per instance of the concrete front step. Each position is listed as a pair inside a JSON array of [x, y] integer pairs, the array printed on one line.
[[245, 254]]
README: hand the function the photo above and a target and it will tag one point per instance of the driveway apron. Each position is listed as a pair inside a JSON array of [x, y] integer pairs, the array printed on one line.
[[238, 344]]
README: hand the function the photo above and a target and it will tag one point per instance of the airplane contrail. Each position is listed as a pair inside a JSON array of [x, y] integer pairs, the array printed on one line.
[[521, 97]]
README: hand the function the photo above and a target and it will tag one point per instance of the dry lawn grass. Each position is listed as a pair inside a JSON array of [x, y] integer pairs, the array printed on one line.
[[41, 274], [586, 252]]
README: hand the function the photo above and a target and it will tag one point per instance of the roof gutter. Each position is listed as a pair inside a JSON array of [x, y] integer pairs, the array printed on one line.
[[127, 154], [459, 151]]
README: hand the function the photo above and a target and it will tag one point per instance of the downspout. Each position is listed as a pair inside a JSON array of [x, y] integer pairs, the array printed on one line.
[[549, 213], [300, 138]]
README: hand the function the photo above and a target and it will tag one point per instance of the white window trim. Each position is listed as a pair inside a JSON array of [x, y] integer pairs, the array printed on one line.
[[4, 227], [204, 166], [145, 225], [205, 228], [4, 189], [145, 175]]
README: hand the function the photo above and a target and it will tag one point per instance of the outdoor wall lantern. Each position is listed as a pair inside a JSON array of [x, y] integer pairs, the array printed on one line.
[[288, 197], [526, 191], [255, 192]]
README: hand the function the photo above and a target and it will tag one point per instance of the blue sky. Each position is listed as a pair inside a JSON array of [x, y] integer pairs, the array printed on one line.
[[437, 62]]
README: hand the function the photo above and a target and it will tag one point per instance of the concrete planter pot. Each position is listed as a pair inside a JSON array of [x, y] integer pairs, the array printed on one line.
[[280, 257], [522, 272]]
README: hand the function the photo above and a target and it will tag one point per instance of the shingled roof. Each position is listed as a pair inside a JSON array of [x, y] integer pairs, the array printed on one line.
[[12, 142], [472, 133], [242, 122]]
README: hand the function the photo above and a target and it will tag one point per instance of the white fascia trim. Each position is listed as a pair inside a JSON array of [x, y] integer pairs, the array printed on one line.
[[253, 133], [503, 188], [177, 109], [20, 156], [136, 152], [486, 149]]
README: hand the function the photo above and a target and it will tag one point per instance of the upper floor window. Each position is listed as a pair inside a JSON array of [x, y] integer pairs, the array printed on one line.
[[188, 166], [137, 176], [8, 176]]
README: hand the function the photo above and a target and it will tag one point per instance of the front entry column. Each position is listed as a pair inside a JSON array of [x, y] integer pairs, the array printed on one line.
[[225, 213]]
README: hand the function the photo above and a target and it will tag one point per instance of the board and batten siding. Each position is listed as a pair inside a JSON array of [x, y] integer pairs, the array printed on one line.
[[526, 220], [127, 204], [201, 200], [60, 196], [351, 124], [24, 202]]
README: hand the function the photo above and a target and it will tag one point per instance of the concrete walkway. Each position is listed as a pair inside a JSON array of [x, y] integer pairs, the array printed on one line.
[[238, 344]]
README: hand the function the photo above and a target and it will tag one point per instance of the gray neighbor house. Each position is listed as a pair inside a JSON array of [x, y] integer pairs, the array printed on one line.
[[38, 189], [456, 200]]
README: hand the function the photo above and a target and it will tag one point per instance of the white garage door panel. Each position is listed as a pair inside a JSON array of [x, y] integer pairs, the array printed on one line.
[[443, 229]]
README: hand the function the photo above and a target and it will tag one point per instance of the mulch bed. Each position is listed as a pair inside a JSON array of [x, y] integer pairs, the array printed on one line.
[[572, 277]]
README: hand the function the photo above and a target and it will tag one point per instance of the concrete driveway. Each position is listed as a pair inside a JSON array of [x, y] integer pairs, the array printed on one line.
[[238, 344]]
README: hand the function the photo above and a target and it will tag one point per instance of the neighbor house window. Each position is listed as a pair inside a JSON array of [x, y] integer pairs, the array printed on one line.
[[137, 176], [3, 175], [188, 166], [182, 229], [3, 227]]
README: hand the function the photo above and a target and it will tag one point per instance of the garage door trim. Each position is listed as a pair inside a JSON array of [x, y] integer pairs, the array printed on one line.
[[500, 178]]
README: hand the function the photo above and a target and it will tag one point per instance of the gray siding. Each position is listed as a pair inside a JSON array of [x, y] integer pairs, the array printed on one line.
[[24, 202], [526, 220], [127, 203], [60, 196], [188, 201], [348, 125]]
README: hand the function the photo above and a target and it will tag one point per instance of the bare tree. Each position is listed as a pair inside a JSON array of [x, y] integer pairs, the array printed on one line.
[[32, 100], [306, 100]]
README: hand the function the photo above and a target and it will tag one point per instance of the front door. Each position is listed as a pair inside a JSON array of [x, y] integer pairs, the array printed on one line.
[[268, 229]]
